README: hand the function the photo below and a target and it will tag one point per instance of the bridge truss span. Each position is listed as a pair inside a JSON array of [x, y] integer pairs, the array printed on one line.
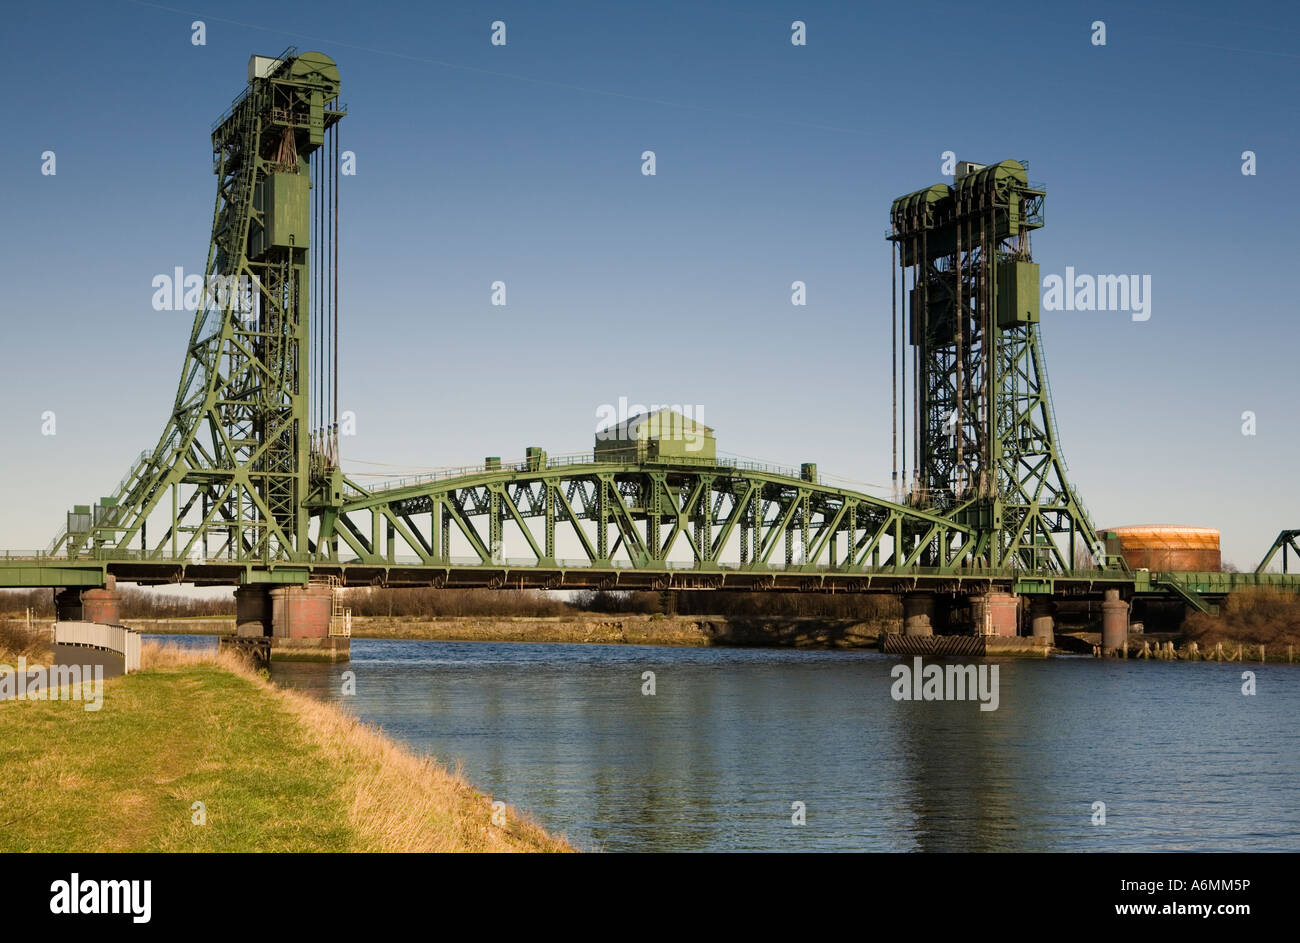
[[637, 516]]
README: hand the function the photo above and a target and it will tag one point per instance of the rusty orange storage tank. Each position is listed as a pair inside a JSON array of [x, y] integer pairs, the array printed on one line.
[[1166, 547]]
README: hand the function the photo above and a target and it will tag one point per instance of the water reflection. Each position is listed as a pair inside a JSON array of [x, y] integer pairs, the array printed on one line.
[[732, 737]]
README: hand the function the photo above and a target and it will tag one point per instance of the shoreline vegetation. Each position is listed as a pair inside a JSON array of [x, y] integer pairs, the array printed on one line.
[[1248, 618], [198, 735]]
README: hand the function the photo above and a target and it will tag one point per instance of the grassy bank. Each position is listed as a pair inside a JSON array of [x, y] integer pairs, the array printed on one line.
[[275, 771]]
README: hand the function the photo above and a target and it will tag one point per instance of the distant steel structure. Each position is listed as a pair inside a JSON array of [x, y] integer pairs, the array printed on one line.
[[245, 485]]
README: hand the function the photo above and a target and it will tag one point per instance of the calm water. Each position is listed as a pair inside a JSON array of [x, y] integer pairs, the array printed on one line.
[[732, 737]]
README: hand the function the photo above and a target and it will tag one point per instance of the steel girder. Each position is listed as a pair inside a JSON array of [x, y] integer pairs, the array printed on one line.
[[642, 516], [1285, 542]]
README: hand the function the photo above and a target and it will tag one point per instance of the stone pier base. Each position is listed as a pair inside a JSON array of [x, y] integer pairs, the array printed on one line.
[[328, 649], [963, 645]]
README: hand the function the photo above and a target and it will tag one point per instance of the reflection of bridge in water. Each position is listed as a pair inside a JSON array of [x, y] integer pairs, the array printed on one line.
[[245, 486]]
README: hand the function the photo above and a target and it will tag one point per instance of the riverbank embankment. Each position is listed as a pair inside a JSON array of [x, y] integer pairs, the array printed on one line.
[[198, 753]]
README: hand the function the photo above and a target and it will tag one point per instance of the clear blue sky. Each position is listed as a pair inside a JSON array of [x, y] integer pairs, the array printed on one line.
[[522, 163]]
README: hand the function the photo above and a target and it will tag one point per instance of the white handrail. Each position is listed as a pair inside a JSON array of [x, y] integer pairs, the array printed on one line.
[[114, 638]]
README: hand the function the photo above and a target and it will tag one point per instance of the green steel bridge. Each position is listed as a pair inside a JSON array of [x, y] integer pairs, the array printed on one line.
[[245, 485]]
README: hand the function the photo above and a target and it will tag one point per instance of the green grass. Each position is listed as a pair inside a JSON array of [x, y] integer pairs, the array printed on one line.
[[124, 778]]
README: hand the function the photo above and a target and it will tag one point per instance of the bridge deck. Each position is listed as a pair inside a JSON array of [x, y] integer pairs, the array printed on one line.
[[38, 572]]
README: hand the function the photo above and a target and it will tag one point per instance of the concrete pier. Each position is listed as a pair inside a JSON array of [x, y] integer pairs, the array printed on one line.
[[252, 611], [918, 614], [101, 606], [1042, 618], [295, 620], [1114, 623]]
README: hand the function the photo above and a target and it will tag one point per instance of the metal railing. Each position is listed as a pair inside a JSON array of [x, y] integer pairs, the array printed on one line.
[[238, 100], [565, 461], [113, 638]]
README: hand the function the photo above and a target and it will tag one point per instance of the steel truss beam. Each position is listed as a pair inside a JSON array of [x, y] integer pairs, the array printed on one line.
[[649, 517]]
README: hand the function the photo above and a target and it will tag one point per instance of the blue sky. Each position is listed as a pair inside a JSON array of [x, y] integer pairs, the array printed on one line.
[[775, 163]]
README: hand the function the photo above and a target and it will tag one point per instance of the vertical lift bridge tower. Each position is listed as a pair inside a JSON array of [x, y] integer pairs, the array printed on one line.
[[984, 445]]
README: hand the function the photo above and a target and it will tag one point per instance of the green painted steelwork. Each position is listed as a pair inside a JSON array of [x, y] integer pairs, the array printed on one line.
[[986, 452], [245, 485], [234, 471], [1285, 542]]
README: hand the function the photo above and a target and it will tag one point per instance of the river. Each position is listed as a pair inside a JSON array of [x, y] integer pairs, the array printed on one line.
[[717, 758]]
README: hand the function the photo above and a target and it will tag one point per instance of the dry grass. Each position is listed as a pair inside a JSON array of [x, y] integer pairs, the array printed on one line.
[[1258, 616], [396, 800], [16, 641]]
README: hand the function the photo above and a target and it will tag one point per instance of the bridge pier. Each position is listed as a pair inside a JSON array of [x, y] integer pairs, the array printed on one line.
[[918, 614], [1114, 623], [252, 611], [1042, 612], [89, 605], [67, 605], [296, 619], [996, 613]]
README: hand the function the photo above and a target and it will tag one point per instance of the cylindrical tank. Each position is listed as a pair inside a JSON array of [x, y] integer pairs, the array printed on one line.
[[301, 611], [1166, 547]]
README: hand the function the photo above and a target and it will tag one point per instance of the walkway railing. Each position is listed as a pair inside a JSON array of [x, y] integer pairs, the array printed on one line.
[[562, 461], [113, 638]]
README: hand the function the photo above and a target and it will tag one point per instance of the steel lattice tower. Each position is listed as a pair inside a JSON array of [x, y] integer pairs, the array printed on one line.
[[250, 447], [984, 444]]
